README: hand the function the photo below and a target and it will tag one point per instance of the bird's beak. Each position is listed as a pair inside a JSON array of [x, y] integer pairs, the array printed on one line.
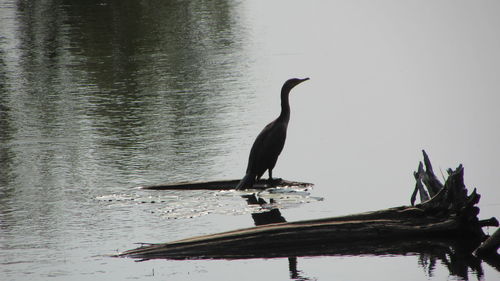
[[302, 80]]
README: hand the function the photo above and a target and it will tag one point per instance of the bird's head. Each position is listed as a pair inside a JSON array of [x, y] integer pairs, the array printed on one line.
[[290, 83]]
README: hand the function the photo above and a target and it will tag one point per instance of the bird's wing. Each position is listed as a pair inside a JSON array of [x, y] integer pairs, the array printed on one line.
[[266, 148]]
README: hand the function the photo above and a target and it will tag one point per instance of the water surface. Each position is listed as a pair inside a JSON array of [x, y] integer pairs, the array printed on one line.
[[99, 97]]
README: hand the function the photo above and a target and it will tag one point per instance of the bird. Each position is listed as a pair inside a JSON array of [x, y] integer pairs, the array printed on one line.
[[270, 141]]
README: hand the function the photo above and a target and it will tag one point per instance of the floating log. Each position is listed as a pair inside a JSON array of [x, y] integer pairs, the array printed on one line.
[[449, 214], [226, 185]]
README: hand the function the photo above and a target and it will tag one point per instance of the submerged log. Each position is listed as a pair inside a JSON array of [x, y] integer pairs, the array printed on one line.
[[490, 246], [225, 185], [488, 251], [449, 214]]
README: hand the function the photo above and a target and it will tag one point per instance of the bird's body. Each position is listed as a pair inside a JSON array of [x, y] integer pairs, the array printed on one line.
[[270, 142]]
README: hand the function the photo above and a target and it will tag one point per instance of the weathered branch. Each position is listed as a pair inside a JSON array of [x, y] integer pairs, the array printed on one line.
[[491, 245], [428, 178], [419, 187]]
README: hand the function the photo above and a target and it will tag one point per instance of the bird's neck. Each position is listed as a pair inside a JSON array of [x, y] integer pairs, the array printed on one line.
[[285, 106]]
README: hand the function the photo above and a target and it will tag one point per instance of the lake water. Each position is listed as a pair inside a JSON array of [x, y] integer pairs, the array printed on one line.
[[99, 97]]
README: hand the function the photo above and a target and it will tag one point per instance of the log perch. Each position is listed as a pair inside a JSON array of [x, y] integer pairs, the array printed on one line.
[[446, 213], [225, 185]]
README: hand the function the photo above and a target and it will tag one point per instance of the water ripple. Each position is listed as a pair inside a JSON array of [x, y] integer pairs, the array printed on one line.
[[196, 203]]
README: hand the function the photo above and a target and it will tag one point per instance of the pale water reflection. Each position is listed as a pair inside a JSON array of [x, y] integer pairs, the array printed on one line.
[[99, 97], [195, 203]]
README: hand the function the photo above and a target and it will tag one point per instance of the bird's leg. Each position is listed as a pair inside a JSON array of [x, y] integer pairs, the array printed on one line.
[[270, 181]]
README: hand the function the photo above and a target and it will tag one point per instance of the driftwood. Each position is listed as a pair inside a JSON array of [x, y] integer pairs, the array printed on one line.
[[490, 246], [448, 217], [225, 185]]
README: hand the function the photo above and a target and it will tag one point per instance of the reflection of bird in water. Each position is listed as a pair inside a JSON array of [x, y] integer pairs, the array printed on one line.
[[269, 143], [270, 216]]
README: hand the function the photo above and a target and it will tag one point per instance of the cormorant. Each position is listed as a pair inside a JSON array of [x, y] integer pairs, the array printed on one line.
[[269, 143]]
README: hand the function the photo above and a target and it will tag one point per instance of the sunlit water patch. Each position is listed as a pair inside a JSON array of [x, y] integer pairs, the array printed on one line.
[[195, 203]]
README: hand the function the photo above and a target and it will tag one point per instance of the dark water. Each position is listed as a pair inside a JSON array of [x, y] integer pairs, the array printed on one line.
[[99, 97]]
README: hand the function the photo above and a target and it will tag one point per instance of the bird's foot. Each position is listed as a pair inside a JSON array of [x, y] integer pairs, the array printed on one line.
[[273, 181]]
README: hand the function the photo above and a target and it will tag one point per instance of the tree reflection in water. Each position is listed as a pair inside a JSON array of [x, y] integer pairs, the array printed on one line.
[[454, 255]]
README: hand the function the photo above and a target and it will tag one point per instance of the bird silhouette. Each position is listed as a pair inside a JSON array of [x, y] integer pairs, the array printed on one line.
[[269, 143]]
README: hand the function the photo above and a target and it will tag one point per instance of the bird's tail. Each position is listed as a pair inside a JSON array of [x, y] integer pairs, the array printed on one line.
[[246, 182]]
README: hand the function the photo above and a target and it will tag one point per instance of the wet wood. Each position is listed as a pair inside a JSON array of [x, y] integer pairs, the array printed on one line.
[[226, 185], [488, 250], [450, 214], [333, 236]]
